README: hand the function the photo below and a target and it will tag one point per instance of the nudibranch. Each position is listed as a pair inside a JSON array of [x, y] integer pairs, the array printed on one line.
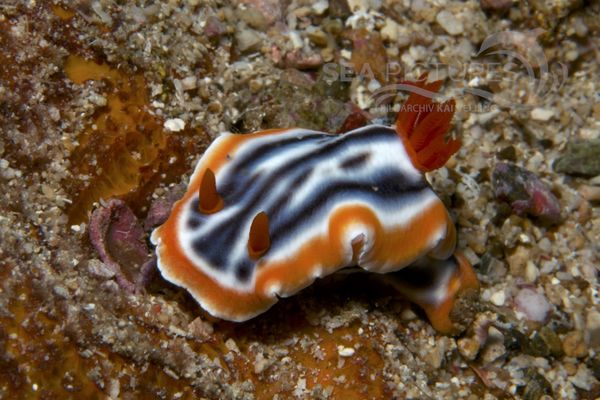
[[267, 213]]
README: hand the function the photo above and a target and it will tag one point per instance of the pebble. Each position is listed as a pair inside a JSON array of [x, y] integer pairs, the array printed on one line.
[[260, 363], [232, 345], [390, 30], [517, 261], [525, 193], [547, 342], [270, 9], [492, 352], [189, 83], [296, 39], [449, 22], [498, 298], [592, 328], [508, 153], [580, 158], [174, 125], [100, 270], [253, 17], [408, 314], [542, 114], [590, 193], [345, 351], [531, 272], [545, 245], [492, 268], [532, 305], [499, 6], [327, 54], [318, 37], [537, 388], [214, 28], [494, 348], [61, 291], [200, 329], [247, 40], [468, 347], [584, 378], [320, 6], [434, 356], [574, 345], [373, 85]]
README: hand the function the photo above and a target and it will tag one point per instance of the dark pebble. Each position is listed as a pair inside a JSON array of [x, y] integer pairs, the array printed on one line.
[[580, 159], [508, 153], [525, 193], [496, 6], [537, 386]]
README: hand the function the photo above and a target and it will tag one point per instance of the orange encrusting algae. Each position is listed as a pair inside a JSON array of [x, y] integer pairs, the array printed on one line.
[[125, 151], [124, 136]]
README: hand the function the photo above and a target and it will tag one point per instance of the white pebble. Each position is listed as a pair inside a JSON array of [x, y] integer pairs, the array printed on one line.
[[248, 40], [448, 21], [390, 30], [320, 6], [189, 83], [542, 114], [345, 351], [532, 305], [295, 39], [498, 298], [531, 272], [373, 85], [174, 125]]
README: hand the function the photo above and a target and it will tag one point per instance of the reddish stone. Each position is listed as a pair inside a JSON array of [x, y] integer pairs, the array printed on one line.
[[300, 60], [525, 193]]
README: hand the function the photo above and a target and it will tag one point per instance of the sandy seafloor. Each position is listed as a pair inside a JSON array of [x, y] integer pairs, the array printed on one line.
[[103, 99]]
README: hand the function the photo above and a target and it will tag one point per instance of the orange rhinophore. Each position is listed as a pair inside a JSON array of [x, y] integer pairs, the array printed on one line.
[[258, 239], [267, 213], [210, 201]]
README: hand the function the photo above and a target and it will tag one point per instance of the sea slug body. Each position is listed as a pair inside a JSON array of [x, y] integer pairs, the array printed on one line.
[[267, 213]]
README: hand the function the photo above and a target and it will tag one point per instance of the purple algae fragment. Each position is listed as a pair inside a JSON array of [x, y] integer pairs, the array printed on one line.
[[119, 239]]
